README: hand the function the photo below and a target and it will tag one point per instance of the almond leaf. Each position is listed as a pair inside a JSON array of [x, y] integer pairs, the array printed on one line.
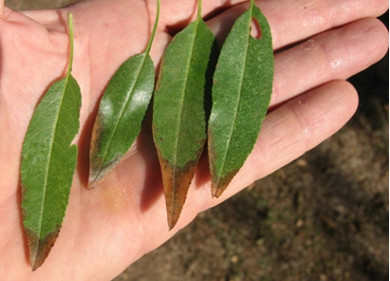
[[121, 111], [179, 124], [48, 163], [240, 96]]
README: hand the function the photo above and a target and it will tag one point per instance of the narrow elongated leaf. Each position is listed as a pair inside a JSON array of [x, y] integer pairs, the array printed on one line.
[[179, 125], [121, 112], [240, 94], [48, 163], [120, 115]]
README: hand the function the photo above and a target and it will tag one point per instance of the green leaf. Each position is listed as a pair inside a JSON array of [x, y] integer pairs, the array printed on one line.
[[240, 97], [179, 122], [121, 111], [48, 163]]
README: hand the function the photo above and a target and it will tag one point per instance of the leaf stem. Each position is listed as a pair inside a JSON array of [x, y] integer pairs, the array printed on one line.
[[199, 16], [154, 28], [70, 23]]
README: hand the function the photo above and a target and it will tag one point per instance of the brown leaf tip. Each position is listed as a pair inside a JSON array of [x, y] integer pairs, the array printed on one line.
[[176, 182], [94, 178], [219, 185], [217, 191], [39, 249], [172, 219], [98, 173]]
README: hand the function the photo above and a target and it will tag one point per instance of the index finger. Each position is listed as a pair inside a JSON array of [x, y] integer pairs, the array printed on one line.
[[293, 21]]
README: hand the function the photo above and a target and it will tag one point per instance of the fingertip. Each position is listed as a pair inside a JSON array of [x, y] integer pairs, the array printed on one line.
[[374, 31], [329, 108], [382, 5], [346, 96], [383, 37], [300, 124]]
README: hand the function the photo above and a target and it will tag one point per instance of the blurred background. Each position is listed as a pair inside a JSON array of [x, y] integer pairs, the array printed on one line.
[[323, 217]]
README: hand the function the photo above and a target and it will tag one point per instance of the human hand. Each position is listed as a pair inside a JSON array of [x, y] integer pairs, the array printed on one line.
[[108, 228]]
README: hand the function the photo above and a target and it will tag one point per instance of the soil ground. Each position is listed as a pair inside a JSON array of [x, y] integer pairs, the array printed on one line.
[[323, 217]]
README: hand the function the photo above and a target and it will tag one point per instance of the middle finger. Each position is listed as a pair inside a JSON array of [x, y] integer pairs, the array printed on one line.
[[336, 54]]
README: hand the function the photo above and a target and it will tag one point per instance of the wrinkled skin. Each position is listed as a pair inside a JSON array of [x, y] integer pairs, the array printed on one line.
[[108, 228]]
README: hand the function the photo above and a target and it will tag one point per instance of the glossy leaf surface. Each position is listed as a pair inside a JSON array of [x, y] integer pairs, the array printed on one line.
[[120, 115], [48, 164], [121, 112], [240, 96], [179, 124]]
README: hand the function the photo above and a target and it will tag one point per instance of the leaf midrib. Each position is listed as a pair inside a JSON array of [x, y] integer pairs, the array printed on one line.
[[47, 172], [185, 92], [237, 105], [179, 123], [128, 98]]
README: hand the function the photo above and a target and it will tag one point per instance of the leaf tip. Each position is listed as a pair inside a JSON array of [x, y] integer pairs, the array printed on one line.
[[39, 249], [99, 171], [172, 219], [97, 174], [217, 190], [176, 182], [91, 184], [219, 184], [175, 197], [99, 166], [93, 178]]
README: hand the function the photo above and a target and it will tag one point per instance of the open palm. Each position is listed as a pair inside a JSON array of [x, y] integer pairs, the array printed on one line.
[[109, 227]]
